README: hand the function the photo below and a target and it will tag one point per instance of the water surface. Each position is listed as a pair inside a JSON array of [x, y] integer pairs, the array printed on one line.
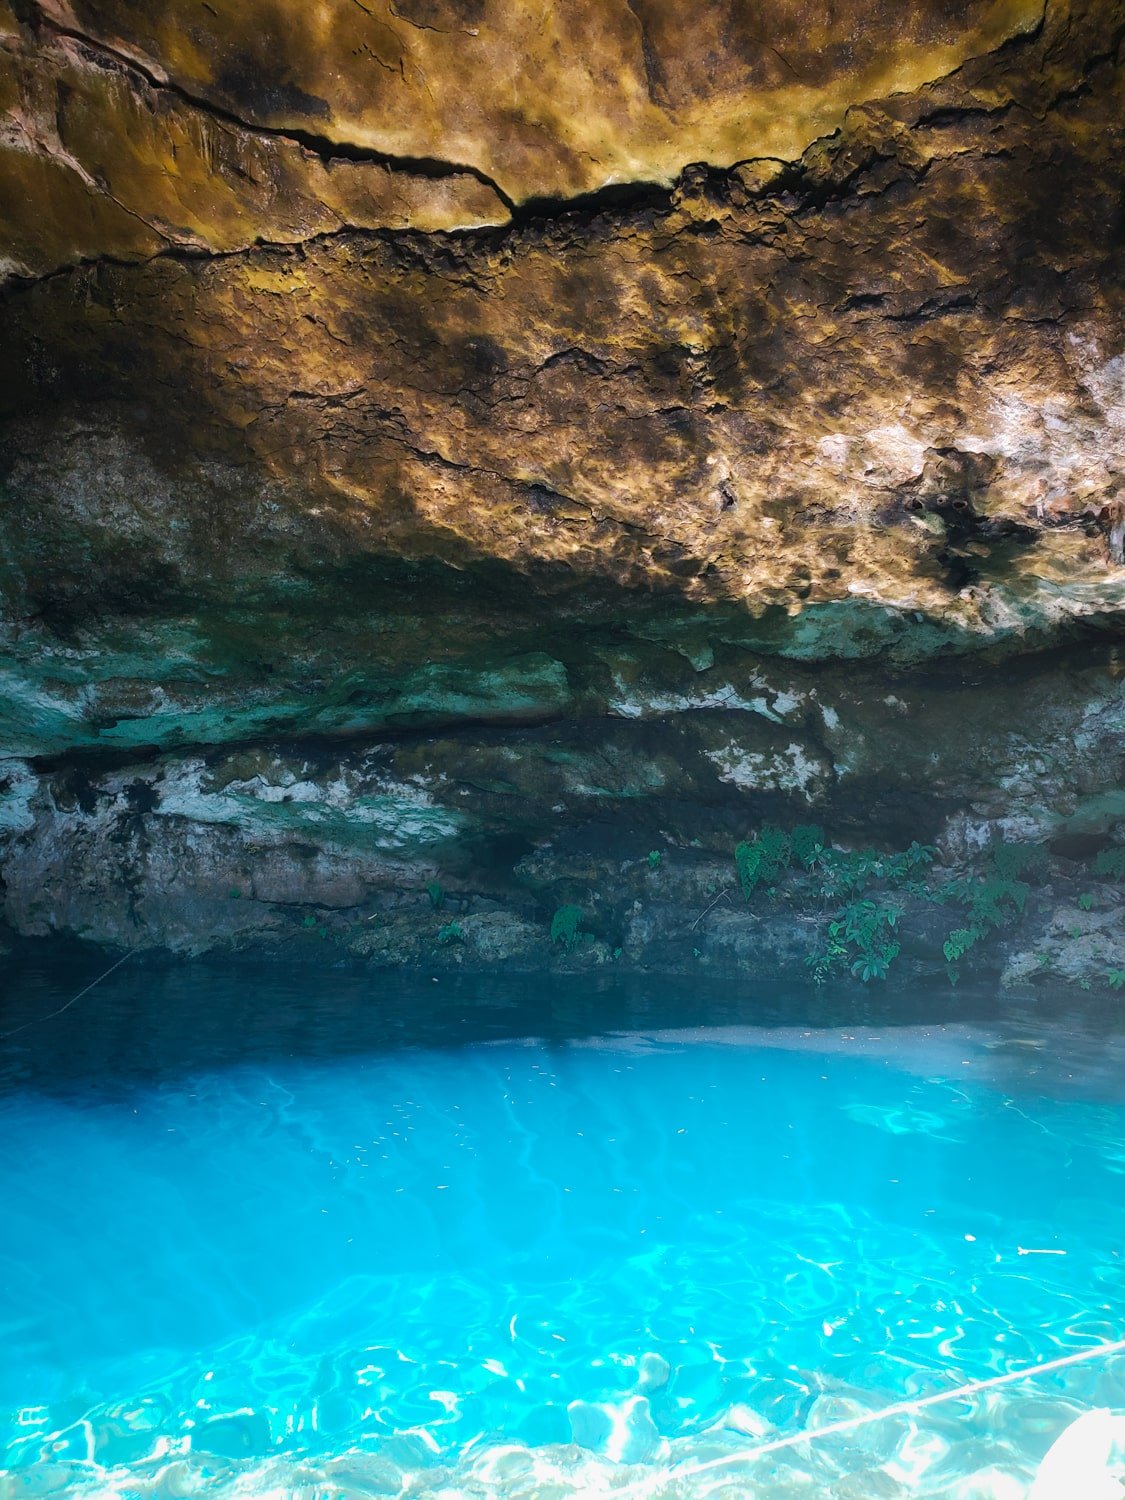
[[321, 1235]]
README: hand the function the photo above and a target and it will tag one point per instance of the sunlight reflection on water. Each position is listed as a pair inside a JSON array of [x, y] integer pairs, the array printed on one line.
[[554, 1266]]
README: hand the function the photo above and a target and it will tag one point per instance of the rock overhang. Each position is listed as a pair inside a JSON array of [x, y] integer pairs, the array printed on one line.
[[405, 421]]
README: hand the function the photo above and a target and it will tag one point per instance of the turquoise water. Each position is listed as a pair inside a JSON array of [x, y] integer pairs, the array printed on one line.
[[311, 1239]]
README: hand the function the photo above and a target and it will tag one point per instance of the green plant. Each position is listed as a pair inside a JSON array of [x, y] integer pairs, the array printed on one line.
[[870, 927], [997, 901], [436, 892], [861, 936], [450, 933], [875, 965], [566, 927], [1111, 862], [1085, 901], [654, 858], [992, 902], [763, 860], [849, 872], [1115, 978], [808, 843], [234, 893], [1010, 861], [897, 868], [958, 943], [308, 921], [831, 957], [846, 872]]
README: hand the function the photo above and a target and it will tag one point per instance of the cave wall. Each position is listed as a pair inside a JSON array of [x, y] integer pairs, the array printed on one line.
[[447, 445]]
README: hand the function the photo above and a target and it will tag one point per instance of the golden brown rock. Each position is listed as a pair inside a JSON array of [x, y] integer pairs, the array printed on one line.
[[890, 372], [552, 101], [175, 123], [97, 160]]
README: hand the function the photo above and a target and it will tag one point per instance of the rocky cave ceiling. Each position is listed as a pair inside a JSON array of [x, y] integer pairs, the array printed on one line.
[[462, 439], [774, 306]]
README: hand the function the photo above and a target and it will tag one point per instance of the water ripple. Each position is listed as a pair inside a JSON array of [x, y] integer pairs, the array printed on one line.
[[532, 1270]]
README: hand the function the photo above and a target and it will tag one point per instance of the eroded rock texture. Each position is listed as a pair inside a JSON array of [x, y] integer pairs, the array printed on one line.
[[180, 123], [444, 442]]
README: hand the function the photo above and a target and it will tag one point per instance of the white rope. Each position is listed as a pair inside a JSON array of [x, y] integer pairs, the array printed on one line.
[[4, 1035], [900, 1408]]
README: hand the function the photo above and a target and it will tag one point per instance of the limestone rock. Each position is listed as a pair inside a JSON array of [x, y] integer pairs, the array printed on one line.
[[181, 125], [633, 818], [1077, 947], [440, 439], [889, 377]]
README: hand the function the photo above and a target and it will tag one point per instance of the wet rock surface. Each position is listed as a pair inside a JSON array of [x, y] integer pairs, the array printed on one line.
[[460, 847]]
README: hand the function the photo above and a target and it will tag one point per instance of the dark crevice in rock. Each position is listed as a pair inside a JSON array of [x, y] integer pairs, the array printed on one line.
[[617, 201], [934, 307], [325, 147], [620, 199], [654, 71], [1092, 646], [616, 198]]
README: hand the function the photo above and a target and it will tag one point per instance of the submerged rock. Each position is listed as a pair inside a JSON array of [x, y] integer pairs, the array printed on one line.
[[624, 1433]]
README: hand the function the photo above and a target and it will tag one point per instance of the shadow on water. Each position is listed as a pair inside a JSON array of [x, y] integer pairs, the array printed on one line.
[[160, 1018]]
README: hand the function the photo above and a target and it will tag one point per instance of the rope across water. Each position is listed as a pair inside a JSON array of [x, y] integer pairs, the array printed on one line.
[[15, 1031], [900, 1408]]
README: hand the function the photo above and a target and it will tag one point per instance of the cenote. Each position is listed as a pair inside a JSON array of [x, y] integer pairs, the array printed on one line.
[[282, 1235], [562, 750]]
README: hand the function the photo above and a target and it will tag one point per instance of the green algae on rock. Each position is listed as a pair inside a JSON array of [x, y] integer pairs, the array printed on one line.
[[513, 822]]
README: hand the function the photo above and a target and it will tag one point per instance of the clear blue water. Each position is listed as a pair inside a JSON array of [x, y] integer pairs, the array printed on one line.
[[310, 1238]]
